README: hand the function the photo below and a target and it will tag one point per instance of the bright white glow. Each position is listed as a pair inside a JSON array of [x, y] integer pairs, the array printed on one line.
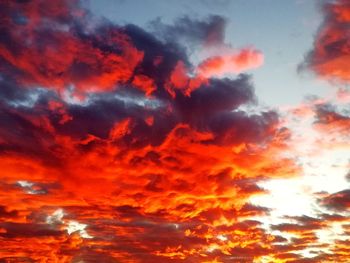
[[56, 217], [221, 237], [334, 232], [287, 197], [71, 226], [25, 184], [30, 188], [292, 197], [264, 259], [212, 247], [324, 163], [309, 252], [74, 226]]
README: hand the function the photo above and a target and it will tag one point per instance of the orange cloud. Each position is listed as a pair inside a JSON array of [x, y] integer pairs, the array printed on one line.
[[330, 55], [64, 59], [157, 163], [214, 66], [244, 60]]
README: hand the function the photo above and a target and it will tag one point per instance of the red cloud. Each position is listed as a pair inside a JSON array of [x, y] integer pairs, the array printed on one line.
[[244, 60], [214, 66], [158, 164], [62, 57], [331, 54]]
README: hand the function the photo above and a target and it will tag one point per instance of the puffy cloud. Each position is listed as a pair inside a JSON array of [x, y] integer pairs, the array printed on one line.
[[57, 53], [330, 54], [146, 160], [337, 201], [329, 119]]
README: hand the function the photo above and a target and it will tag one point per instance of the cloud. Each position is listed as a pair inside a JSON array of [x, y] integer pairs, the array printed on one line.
[[330, 54], [57, 54], [209, 31], [339, 201], [329, 119], [149, 156], [231, 63]]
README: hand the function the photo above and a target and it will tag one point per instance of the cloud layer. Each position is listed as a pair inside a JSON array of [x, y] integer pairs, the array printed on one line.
[[115, 147]]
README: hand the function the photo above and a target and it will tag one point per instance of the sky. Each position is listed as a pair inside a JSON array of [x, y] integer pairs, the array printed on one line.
[[174, 131]]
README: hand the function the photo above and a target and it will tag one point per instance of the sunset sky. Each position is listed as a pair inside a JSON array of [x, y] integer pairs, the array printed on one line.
[[175, 131]]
